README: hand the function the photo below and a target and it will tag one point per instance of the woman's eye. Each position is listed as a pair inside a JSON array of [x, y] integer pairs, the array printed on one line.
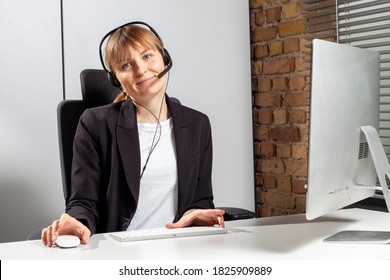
[[126, 65], [147, 56]]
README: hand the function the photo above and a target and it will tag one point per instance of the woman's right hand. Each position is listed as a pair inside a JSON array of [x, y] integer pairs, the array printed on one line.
[[65, 225]]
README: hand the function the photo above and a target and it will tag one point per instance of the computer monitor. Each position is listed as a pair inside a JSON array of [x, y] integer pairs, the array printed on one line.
[[344, 107]]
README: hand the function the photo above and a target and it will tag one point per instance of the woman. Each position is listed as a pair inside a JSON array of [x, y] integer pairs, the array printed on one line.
[[143, 161]]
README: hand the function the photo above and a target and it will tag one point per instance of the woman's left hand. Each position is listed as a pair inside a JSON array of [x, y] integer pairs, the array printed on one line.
[[200, 217]]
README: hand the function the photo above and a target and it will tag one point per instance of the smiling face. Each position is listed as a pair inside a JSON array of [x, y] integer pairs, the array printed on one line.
[[138, 72], [133, 55]]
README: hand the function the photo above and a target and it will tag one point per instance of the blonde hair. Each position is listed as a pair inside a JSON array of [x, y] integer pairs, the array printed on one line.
[[133, 36]]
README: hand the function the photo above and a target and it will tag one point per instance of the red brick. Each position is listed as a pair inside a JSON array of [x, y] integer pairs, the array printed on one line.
[[261, 34], [280, 116], [279, 83], [296, 168], [260, 18], [297, 82], [299, 186], [268, 100], [305, 134], [284, 183], [285, 134], [273, 14], [267, 149], [269, 182], [290, 10], [299, 151], [272, 166], [252, 20], [264, 116], [290, 28], [296, 99], [258, 180], [281, 212], [291, 45], [298, 116], [304, 45], [261, 51], [255, 4], [257, 148], [279, 66], [261, 134], [275, 48], [264, 212], [301, 64], [300, 204], [279, 200], [257, 67], [254, 84], [264, 84], [260, 195], [283, 151]]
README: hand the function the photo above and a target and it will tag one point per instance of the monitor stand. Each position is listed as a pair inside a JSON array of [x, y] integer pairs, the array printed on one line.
[[360, 236], [382, 168], [380, 160]]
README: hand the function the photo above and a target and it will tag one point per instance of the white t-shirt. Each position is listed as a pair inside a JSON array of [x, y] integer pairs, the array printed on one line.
[[158, 197]]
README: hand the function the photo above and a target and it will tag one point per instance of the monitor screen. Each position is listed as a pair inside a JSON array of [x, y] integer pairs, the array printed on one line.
[[345, 89]]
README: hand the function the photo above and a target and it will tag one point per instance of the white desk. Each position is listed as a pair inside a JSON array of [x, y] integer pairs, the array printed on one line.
[[278, 238]]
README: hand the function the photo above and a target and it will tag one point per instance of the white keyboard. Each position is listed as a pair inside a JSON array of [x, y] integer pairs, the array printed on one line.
[[160, 233]]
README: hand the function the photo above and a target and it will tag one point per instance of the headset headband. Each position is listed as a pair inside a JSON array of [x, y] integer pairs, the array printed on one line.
[[119, 27], [166, 57]]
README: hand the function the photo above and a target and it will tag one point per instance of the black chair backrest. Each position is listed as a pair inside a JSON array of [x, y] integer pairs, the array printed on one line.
[[96, 91], [68, 114]]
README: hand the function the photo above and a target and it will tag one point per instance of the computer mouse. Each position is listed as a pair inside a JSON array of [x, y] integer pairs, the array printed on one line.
[[67, 241]]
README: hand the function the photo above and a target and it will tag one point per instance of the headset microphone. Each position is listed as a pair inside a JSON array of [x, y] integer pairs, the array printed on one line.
[[165, 70]]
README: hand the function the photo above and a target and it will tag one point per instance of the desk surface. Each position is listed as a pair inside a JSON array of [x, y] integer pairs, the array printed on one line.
[[282, 238]]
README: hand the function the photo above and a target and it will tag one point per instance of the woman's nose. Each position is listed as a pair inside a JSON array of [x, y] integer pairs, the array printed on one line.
[[141, 68]]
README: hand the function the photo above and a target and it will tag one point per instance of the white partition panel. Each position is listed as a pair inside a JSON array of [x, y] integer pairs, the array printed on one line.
[[210, 47], [30, 89]]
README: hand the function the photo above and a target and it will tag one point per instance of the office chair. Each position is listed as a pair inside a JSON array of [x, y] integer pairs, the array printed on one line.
[[96, 90]]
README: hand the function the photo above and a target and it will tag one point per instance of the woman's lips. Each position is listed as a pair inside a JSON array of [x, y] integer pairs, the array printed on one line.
[[145, 80]]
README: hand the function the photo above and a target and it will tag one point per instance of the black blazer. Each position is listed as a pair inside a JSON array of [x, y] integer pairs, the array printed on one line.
[[106, 165]]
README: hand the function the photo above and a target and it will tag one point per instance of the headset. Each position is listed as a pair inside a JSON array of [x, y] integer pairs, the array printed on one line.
[[115, 82], [166, 57]]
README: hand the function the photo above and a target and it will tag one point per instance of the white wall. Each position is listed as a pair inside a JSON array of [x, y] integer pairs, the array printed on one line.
[[210, 47], [30, 89], [209, 43]]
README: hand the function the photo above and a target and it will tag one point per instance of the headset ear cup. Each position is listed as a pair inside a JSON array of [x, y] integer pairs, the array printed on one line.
[[113, 80], [166, 57]]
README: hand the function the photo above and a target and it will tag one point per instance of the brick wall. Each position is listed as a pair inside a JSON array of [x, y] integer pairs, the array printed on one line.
[[280, 106]]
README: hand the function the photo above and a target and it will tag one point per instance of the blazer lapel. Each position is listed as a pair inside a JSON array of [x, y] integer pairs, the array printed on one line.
[[184, 152], [128, 144]]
